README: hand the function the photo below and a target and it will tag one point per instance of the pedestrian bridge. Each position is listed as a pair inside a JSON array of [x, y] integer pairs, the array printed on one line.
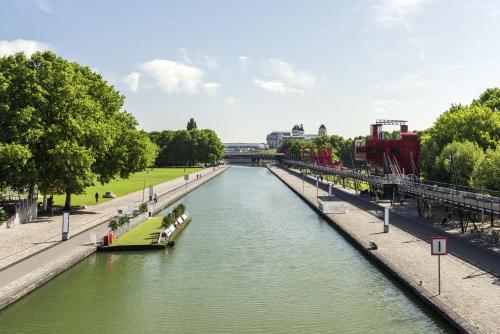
[[252, 156]]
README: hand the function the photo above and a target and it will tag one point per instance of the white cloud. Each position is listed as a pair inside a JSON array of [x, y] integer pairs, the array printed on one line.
[[211, 88], [174, 77], [21, 45], [132, 81], [284, 78], [278, 87], [393, 12], [288, 74], [43, 5]]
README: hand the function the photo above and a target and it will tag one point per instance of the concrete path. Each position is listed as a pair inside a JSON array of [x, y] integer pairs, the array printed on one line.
[[470, 297], [408, 220], [24, 240], [41, 264]]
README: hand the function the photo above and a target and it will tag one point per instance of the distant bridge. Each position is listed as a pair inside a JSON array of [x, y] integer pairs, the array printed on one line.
[[253, 156]]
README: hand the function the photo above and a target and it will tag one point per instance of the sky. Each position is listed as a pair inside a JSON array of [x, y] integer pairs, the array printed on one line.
[[246, 68]]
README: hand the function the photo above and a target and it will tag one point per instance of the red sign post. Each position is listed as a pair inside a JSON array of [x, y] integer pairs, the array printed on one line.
[[439, 246]]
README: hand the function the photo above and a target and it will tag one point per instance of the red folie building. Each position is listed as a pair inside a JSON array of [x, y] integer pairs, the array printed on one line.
[[390, 156]]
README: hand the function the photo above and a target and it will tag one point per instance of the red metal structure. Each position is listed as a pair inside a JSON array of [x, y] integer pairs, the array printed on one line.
[[390, 156]]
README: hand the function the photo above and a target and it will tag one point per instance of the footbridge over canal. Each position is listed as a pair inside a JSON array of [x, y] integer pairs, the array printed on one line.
[[394, 186], [252, 157]]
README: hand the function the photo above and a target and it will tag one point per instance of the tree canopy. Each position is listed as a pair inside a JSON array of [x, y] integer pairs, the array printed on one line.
[[187, 147], [63, 128], [342, 149]]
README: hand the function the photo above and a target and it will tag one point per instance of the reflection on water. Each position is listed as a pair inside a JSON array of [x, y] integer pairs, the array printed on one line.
[[255, 259]]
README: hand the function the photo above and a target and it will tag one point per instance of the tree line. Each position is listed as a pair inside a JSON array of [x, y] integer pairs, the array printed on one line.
[[187, 147], [342, 148], [462, 147], [63, 128]]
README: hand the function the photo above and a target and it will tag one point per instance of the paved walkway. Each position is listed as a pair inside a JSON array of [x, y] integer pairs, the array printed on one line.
[[35, 262], [23, 240], [406, 218], [470, 297]]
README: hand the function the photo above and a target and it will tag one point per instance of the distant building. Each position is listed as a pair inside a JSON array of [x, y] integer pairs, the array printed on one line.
[[276, 138], [322, 130], [244, 147], [297, 131]]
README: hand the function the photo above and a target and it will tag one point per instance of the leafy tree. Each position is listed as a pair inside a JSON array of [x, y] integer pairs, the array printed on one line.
[[465, 155], [13, 160], [490, 98], [69, 120], [187, 148], [475, 123], [486, 173], [191, 124]]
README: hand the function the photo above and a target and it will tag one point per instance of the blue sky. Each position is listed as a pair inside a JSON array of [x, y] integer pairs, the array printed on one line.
[[245, 68]]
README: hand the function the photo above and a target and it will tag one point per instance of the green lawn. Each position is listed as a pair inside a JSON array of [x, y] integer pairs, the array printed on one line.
[[144, 234], [126, 186]]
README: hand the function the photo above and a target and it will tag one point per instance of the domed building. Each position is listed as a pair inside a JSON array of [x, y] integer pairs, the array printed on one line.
[[276, 138], [322, 130], [297, 131]]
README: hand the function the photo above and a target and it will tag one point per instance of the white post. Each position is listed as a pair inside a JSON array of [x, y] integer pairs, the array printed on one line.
[[65, 226], [386, 220]]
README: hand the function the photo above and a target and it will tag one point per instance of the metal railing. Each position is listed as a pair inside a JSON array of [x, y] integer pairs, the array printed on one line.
[[409, 184]]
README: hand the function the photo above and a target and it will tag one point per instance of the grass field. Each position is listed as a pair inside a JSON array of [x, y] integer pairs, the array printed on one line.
[[144, 234], [126, 186]]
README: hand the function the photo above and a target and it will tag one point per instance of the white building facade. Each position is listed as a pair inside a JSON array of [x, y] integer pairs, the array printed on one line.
[[276, 138]]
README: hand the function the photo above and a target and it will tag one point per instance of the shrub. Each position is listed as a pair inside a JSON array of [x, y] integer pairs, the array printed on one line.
[[143, 208], [182, 209], [167, 220], [3, 215], [113, 225], [123, 220]]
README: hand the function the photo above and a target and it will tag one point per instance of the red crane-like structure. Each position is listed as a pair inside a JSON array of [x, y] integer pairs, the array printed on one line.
[[393, 155]]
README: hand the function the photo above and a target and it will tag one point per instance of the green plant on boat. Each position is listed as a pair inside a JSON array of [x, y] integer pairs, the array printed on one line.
[[167, 220], [170, 218]]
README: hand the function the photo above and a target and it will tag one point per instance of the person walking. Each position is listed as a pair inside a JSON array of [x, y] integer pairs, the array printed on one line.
[[96, 197]]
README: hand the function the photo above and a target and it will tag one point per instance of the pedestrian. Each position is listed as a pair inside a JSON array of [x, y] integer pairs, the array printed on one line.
[[50, 203], [96, 197], [156, 198]]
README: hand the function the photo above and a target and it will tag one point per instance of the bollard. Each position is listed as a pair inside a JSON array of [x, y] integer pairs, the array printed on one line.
[[386, 220]]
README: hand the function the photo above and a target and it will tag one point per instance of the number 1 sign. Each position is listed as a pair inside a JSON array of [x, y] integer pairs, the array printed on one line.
[[439, 246]]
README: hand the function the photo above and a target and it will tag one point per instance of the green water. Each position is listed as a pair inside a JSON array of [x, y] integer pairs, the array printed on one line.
[[255, 259]]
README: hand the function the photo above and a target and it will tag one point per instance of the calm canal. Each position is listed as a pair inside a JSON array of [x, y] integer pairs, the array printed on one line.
[[255, 259]]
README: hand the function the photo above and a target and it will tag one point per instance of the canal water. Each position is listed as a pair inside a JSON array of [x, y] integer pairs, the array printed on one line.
[[255, 259]]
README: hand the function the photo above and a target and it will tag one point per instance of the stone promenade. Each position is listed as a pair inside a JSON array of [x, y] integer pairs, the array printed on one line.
[[23, 240], [34, 253], [470, 297]]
